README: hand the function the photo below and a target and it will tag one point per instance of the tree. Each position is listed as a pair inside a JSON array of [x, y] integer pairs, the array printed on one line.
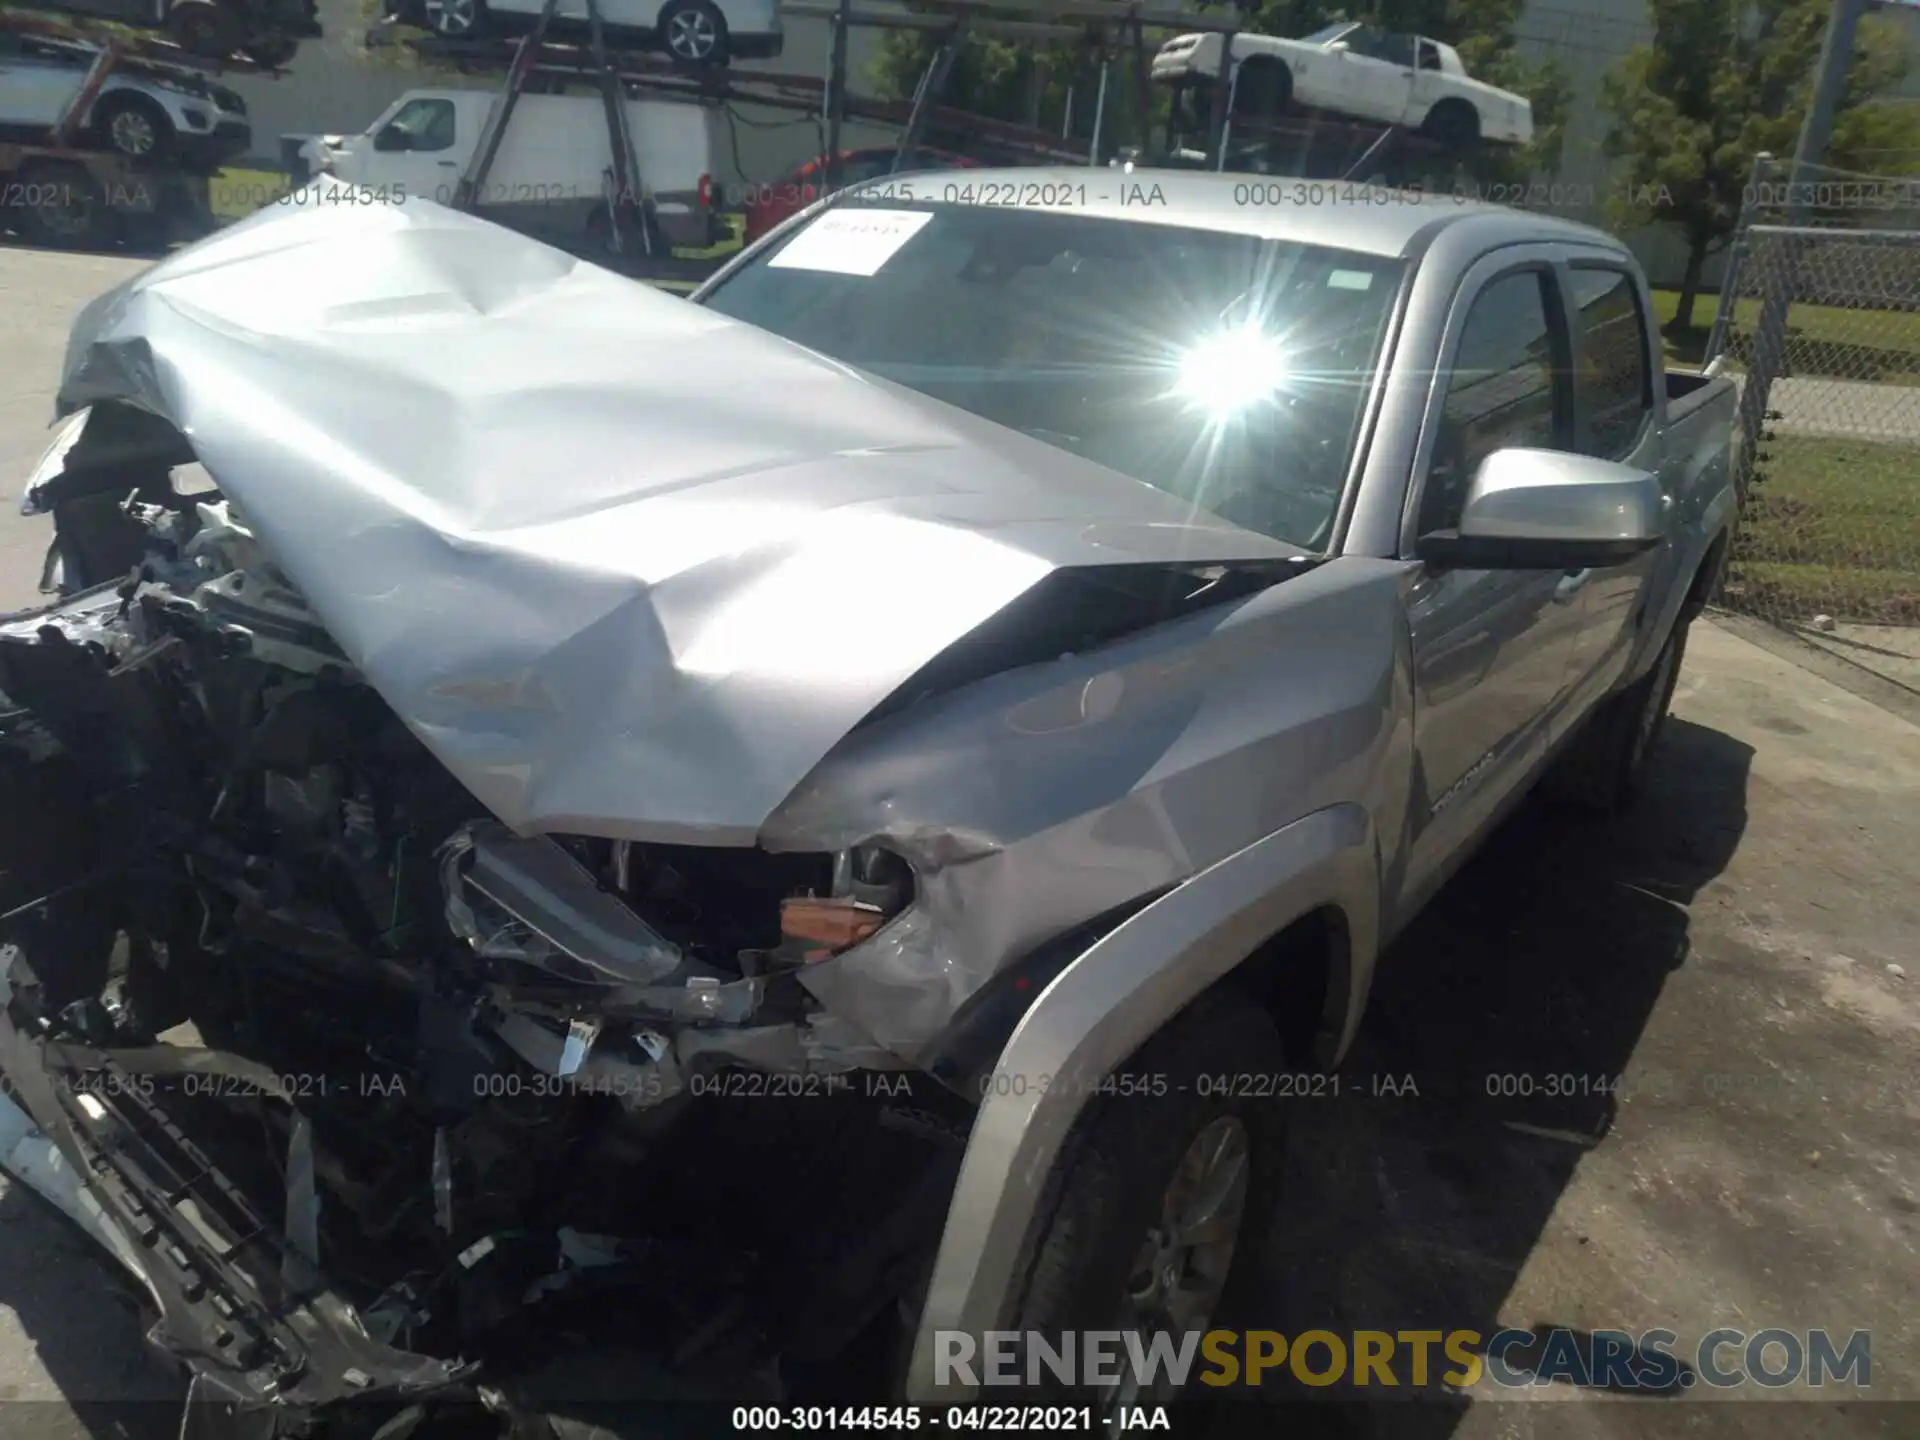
[[1021, 83], [1722, 81]]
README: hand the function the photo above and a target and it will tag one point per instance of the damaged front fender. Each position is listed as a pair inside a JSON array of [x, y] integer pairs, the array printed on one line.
[[1099, 1011]]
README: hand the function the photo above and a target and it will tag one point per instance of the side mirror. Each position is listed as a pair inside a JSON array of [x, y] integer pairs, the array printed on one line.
[[389, 137], [1548, 510], [1338, 47]]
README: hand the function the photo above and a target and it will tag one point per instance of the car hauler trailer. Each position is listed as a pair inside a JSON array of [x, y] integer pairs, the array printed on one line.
[[59, 188]]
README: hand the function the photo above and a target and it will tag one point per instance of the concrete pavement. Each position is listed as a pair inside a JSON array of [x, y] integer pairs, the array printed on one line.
[[1844, 409]]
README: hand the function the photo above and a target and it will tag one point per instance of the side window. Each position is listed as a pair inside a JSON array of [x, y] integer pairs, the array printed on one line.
[[1429, 55], [1396, 50], [1381, 45], [1614, 382], [427, 124], [1505, 388], [1362, 40]]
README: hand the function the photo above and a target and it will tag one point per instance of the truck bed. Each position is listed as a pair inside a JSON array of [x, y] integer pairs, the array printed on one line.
[[1689, 391]]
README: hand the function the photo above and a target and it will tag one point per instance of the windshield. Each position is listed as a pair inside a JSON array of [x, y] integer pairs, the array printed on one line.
[[1225, 369], [1326, 35]]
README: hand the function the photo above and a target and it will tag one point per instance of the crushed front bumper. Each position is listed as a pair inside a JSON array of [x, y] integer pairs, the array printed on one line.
[[257, 1326]]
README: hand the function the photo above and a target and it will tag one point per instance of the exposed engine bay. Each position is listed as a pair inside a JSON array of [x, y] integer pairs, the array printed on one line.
[[394, 1095]]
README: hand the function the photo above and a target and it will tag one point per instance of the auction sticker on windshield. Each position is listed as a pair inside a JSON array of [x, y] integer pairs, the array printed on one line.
[[850, 242]]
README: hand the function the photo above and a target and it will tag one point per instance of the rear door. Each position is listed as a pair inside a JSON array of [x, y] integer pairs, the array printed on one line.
[[1493, 651], [36, 81], [1614, 376]]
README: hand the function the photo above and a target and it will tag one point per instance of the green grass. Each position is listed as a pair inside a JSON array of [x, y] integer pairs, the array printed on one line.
[[1832, 527], [1849, 344]]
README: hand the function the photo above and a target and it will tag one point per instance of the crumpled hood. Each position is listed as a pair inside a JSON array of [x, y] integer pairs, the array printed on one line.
[[626, 566]]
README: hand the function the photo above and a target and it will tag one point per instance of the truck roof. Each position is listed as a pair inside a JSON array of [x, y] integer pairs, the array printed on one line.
[[1351, 215]]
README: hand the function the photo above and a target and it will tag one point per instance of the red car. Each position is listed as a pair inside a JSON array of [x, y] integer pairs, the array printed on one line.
[[769, 204]]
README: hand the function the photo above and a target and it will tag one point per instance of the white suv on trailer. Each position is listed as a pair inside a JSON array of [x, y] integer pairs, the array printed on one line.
[[144, 112]]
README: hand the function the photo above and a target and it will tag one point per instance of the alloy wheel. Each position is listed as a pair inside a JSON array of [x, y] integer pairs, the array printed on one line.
[[452, 18], [692, 35], [132, 133], [1180, 1272]]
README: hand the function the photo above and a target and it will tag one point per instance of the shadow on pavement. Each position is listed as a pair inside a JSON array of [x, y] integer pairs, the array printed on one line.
[[87, 1335], [1543, 958]]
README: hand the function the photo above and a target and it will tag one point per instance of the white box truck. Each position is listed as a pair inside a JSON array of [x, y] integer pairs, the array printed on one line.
[[552, 172]]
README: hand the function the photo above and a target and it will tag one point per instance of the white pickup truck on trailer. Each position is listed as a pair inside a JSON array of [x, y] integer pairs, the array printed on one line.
[[1348, 69]]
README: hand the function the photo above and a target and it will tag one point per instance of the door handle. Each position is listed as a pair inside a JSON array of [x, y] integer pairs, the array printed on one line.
[[1570, 585], [448, 164]]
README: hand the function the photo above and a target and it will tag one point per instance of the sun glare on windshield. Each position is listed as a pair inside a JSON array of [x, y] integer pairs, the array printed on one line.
[[1225, 373]]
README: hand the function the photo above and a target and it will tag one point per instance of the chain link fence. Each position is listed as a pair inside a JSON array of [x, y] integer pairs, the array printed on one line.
[[1819, 323]]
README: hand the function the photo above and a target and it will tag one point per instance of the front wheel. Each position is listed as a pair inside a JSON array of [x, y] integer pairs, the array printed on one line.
[[1163, 1189], [694, 31], [1454, 123], [134, 126], [274, 52]]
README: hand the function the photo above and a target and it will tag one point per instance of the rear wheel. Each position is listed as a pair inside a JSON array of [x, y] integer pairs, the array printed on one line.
[[1604, 768], [204, 28], [694, 31], [61, 206]]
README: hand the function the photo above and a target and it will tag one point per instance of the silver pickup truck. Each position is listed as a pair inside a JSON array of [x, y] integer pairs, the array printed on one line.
[[807, 814]]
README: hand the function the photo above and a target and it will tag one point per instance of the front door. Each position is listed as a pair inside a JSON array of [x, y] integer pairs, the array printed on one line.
[[422, 151], [1375, 75], [1493, 651], [1431, 83]]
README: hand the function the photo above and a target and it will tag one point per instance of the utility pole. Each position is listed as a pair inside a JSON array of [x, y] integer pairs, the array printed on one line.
[[1830, 81], [836, 96]]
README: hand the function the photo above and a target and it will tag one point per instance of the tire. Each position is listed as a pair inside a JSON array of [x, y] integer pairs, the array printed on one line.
[[1454, 123], [204, 28], [455, 19], [275, 52], [644, 242], [62, 208], [135, 126], [1265, 90], [1097, 1258], [694, 32], [1604, 768]]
